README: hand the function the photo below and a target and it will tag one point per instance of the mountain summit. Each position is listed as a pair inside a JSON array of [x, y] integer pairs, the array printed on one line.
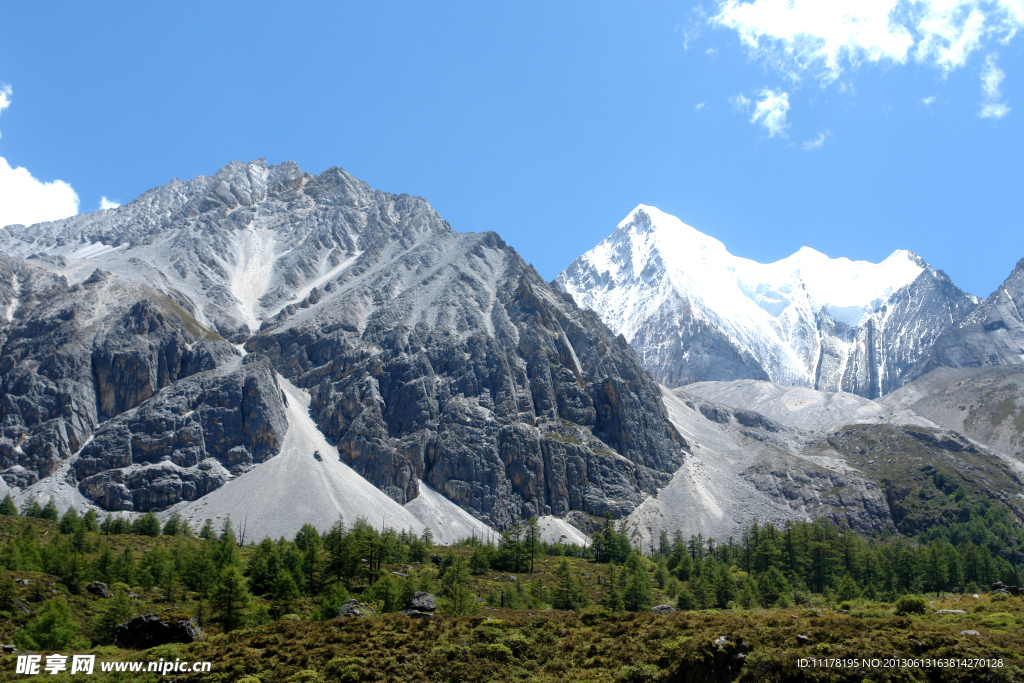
[[148, 354], [695, 312]]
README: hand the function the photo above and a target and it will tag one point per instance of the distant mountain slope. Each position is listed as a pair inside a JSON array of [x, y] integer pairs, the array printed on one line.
[[428, 355], [872, 465], [986, 404], [798, 407], [695, 312]]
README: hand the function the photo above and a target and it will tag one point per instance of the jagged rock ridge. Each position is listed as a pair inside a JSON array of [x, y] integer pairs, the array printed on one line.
[[429, 355]]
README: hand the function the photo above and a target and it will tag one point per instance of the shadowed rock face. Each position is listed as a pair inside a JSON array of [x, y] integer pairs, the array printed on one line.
[[547, 414], [428, 354], [186, 441], [77, 355]]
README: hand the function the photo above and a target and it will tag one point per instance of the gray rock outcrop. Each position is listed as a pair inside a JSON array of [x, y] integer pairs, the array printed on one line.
[[422, 602], [150, 630], [354, 609], [185, 442]]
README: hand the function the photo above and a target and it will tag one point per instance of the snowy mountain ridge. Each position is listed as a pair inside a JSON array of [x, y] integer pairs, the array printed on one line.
[[668, 288]]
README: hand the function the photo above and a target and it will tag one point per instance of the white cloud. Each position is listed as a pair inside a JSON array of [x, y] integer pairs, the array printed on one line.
[[821, 38], [23, 199], [996, 110], [991, 78], [739, 102], [106, 204], [700, 105], [816, 143], [929, 101], [770, 112]]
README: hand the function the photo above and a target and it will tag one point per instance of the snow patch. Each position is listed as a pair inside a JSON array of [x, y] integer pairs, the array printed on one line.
[[93, 249]]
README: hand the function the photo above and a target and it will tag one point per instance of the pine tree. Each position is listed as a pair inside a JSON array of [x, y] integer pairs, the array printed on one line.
[[283, 593], [725, 586], [637, 593], [457, 600], [49, 511], [532, 539], [480, 560], [570, 593], [7, 507], [8, 594], [89, 521], [118, 610], [31, 507], [124, 567], [174, 525], [611, 598], [207, 533], [848, 588], [52, 628], [661, 573], [748, 594], [686, 600], [230, 598], [70, 522], [147, 525]]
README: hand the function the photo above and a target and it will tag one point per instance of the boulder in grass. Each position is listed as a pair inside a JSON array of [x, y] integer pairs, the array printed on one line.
[[416, 614], [353, 608], [421, 602], [99, 588], [150, 630], [663, 609]]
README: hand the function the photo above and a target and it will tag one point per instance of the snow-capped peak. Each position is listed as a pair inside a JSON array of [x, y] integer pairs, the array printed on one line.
[[654, 266]]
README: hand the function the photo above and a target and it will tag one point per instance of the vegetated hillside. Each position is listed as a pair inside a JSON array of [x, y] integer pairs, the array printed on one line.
[[775, 594], [923, 472]]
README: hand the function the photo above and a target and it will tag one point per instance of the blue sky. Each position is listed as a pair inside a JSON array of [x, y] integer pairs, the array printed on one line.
[[767, 125]]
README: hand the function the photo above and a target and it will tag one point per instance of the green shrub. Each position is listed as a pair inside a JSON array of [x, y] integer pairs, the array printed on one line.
[[498, 652], [638, 673], [345, 669], [911, 604]]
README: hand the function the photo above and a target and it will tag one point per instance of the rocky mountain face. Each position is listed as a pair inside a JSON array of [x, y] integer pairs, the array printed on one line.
[[694, 312], [74, 356], [990, 335], [428, 355]]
